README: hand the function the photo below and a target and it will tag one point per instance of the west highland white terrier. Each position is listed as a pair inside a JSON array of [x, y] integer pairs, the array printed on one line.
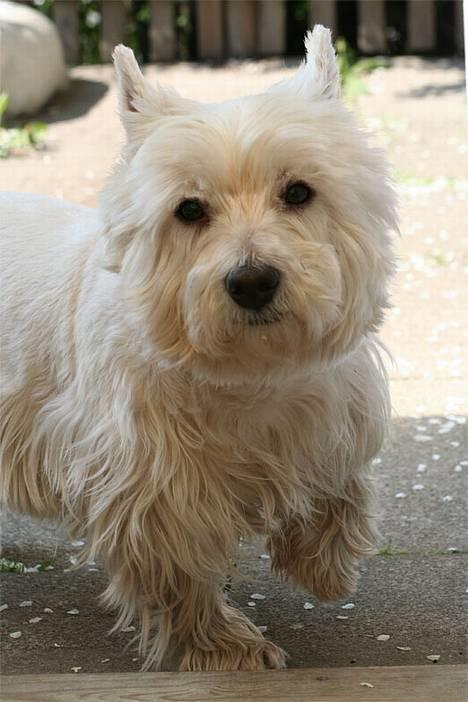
[[195, 361]]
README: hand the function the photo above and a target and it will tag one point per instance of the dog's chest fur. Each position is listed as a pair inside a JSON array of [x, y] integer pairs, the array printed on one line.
[[258, 450]]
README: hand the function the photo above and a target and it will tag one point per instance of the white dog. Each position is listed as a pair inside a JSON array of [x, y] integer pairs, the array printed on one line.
[[195, 361]]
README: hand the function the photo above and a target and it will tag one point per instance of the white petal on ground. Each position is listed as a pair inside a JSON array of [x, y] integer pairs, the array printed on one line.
[[15, 634], [366, 684], [400, 495], [257, 596], [350, 605], [418, 486], [383, 637], [341, 616], [3, 607], [251, 604], [403, 648], [433, 658], [76, 668], [308, 605], [26, 603], [48, 610], [445, 428], [35, 620], [73, 611]]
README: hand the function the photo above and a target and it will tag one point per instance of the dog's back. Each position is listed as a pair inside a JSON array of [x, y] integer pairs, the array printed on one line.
[[42, 241]]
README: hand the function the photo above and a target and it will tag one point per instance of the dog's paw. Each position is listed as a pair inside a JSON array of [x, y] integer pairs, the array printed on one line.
[[328, 584], [329, 580], [330, 575], [262, 656]]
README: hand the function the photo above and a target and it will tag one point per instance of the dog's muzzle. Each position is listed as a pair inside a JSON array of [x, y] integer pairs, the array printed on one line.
[[252, 287]]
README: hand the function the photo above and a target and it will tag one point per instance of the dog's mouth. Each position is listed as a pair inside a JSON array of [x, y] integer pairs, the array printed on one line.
[[257, 319]]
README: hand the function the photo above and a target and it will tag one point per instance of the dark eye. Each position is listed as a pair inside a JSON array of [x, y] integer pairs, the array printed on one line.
[[190, 210], [297, 194]]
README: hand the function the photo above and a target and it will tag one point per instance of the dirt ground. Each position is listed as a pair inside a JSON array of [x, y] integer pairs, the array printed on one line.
[[413, 592]]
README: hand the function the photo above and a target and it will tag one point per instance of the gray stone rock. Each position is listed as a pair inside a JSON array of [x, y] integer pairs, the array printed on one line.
[[32, 67]]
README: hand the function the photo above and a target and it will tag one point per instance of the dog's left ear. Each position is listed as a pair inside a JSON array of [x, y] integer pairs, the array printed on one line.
[[321, 62], [318, 76], [140, 103]]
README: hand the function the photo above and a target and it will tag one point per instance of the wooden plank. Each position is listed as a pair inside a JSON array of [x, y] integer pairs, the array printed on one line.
[[459, 32], [162, 34], [210, 41], [425, 683], [271, 27], [66, 17], [113, 27], [421, 29], [323, 12], [241, 28], [371, 26]]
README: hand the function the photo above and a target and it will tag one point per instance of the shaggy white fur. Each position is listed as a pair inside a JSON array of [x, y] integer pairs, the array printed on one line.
[[155, 416]]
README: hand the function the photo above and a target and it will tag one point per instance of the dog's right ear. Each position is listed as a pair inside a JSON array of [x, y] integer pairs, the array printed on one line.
[[140, 104]]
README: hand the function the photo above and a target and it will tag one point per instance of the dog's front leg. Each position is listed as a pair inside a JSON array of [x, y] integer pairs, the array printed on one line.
[[322, 553], [180, 605], [217, 636]]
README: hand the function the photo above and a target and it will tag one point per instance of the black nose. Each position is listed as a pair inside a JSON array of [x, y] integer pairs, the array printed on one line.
[[252, 287]]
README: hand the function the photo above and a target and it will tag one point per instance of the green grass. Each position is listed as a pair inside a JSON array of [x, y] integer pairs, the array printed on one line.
[[13, 139], [8, 565], [390, 551], [423, 181], [395, 551], [353, 69], [440, 259], [408, 179]]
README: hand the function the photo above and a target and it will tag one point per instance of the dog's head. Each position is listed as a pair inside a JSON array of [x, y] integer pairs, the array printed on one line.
[[251, 235]]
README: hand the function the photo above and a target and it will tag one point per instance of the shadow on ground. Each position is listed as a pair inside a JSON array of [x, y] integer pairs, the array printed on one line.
[[80, 96], [433, 90]]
